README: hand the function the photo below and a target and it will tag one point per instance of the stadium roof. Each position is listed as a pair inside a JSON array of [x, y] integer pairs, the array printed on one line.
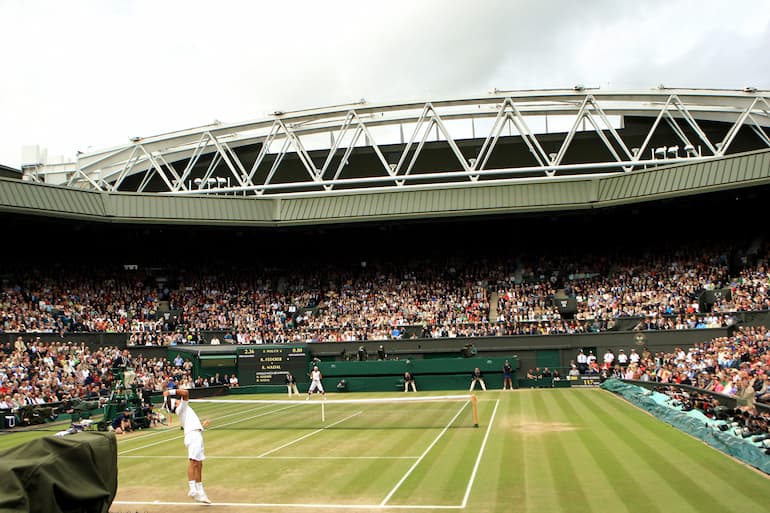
[[9, 172], [508, 151]]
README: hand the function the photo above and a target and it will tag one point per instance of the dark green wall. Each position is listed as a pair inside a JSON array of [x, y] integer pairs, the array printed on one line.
[[525, 347], [430, 374]]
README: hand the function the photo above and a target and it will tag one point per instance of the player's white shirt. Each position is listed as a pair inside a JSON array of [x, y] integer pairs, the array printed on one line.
[[315, 375], [188, 418]]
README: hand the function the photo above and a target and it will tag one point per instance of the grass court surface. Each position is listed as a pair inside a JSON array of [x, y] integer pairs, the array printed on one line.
[[557, 450]]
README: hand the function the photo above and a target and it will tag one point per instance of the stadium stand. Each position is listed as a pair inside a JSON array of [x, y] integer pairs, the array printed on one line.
[[446, 300]]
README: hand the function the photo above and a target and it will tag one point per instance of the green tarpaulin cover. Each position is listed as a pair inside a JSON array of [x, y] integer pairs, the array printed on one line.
[[74, 473]]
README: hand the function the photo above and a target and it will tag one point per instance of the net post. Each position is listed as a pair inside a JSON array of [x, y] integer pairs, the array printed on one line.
[[475, 411]]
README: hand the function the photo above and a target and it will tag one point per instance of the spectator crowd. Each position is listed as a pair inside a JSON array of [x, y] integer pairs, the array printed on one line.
[[34, 373], [659, 291]]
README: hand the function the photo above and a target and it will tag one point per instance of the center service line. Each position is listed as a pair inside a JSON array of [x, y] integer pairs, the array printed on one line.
[[414, 466], [307, 435]]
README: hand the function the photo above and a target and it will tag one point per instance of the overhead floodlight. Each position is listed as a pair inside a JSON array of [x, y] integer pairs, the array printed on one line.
[[660, 151], [749, 89], [277, 113], [690, 150], [197, 182], [660, 86], [578, 87], [673, 150], [135, 139], [221, 180]]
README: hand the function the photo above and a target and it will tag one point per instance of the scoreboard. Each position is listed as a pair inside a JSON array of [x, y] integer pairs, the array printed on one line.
[[269, 364]]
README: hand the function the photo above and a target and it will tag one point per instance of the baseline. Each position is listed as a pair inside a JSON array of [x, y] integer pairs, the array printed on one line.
[[358, 507]]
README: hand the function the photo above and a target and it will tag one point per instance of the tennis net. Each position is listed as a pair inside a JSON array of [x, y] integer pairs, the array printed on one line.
[[414, 412]]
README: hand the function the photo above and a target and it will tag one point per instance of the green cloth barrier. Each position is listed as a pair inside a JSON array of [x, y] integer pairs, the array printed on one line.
[[692, 423]]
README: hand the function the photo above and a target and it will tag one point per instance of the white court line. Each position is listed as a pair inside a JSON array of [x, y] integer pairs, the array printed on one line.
[[141, 457], [381, 506], [217, 427], [478, 458], [414, 466], [358, 507], [307, 435]]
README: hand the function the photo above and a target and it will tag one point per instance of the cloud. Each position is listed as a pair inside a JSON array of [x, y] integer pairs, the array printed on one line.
[[92, 74]]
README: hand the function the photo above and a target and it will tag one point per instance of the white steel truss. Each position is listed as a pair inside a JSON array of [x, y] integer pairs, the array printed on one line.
[[207, 160]]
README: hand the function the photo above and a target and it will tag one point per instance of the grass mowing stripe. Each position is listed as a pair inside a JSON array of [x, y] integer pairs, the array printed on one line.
[[622, 481], [411, 469], [523, 482], [711, 461], [652, 471], [688, 489], [540, 475], [566, 480]]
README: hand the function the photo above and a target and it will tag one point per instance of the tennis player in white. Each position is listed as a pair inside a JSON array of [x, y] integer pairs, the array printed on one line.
[[176, 400], [315, 383]]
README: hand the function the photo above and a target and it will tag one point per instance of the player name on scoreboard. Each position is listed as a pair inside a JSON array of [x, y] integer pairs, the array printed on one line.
[[268, 365], [587, 380]]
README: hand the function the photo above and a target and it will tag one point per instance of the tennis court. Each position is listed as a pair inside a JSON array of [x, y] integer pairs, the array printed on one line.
[[264, 456], [555, 450], [534, 450]]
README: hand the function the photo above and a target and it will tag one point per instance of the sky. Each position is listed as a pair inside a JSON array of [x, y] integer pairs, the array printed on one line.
[[84, 75]]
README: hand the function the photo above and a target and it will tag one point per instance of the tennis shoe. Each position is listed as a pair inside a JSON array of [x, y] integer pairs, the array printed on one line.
[[203, 498], [192, 493]]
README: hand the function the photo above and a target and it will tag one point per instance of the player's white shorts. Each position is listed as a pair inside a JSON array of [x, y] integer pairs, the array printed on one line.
[[316, 385], [194, 443]]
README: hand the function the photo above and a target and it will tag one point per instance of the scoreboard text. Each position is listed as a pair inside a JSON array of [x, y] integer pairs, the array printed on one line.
[[268, 365]]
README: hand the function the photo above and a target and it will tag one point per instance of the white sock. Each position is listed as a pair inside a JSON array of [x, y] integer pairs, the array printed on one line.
[[192, 486], [199, 487]]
